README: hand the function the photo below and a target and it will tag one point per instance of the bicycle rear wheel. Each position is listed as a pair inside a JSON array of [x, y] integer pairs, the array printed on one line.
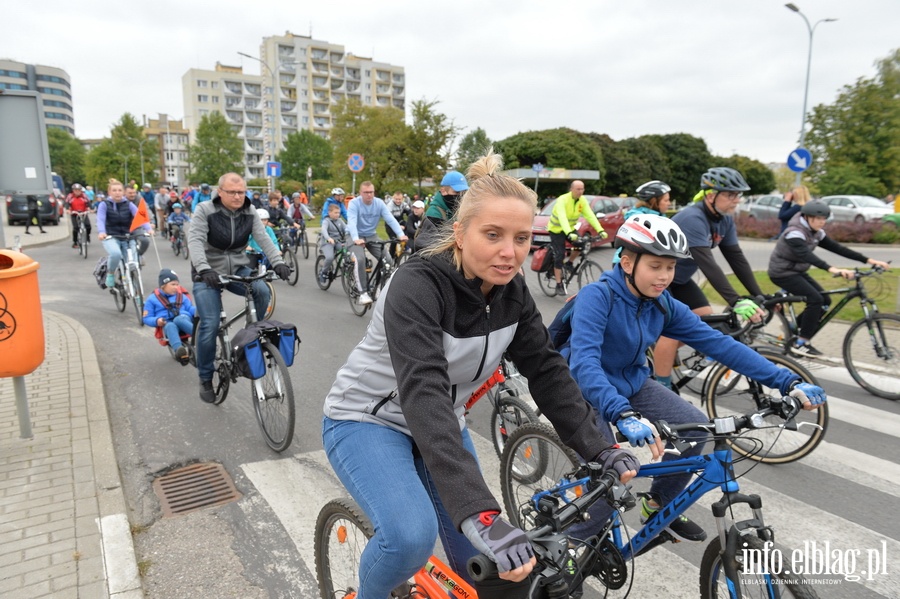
[[872, 354], [221, 380], [354, 295], [764, 580], [509, 414], [273, 400], [547, 283], [773, 445], [82, 242], [775, 332], [137, 297], [291, 260], [534, 459], [588, 272]]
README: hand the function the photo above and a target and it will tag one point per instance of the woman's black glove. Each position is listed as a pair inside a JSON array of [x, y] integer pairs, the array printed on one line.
[[615, 458]]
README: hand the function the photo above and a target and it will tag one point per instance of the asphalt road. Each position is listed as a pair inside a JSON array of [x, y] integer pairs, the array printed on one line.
[[260, 546]]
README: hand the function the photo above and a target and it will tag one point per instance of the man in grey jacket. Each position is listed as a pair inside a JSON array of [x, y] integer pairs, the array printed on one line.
[[218, 235]]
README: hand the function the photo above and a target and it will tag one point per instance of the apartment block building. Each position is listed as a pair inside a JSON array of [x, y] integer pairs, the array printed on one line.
[[300, 80], [173, 138], [52, 83]]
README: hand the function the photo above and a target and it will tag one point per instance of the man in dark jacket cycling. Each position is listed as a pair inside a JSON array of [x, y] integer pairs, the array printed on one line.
[[220, 230]]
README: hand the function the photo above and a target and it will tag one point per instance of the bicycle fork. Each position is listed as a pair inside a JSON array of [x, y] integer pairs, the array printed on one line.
[[731, 534]]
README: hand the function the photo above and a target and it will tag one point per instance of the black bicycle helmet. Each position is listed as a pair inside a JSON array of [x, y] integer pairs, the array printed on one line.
[[815, 208], [722, 178], [652, 189], [652, 234]]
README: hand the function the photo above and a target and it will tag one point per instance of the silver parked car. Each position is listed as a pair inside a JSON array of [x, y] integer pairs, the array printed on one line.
[[858, 209], [764, 207]]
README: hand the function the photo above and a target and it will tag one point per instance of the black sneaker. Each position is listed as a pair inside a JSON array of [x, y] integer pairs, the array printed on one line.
[[182, 355], [682, 528], [207, 393], [561, 289], [804, 349]]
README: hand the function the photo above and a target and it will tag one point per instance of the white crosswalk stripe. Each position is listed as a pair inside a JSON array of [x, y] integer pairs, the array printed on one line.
[[296, 488]]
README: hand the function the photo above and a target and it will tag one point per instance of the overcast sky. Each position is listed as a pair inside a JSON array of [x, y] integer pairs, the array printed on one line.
[[729, 71]]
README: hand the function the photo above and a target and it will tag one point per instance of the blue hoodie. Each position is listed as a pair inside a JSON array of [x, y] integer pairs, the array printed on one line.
[[608, 343]]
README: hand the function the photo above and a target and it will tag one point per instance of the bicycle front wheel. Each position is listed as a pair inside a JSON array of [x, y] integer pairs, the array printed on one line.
[[119, 297], [342, 532], [547, 283], [304, 245], [82, 242], [221, 380], [137, 296], [291, 260], [273, 400], [758, 576], [509, 414], [184, 248], [324, 282], [270, 309], [872, 354], [534, 459], [773, 445], [588, 272]]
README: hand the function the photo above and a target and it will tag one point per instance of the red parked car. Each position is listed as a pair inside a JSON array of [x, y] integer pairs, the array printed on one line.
[[608, 213]]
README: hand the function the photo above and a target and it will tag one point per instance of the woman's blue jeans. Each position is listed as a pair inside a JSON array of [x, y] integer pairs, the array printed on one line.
[[117, 251], [384, 473], [208, 301]]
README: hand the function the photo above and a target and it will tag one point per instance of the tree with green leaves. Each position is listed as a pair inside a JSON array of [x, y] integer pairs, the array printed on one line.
[[303, 150], [554, 148], [856, 136], [687, 158], [67, 156], [428, 140], [216, 150], [378, 134], [119, 156], [472, 146], [630, 163], [759, 177]]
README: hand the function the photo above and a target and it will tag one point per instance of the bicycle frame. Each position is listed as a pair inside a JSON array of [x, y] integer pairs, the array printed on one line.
[[128, 264], [868, 305]]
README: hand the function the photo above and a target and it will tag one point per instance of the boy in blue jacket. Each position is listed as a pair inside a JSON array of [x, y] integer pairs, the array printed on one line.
[[627, 310], [169, 308]]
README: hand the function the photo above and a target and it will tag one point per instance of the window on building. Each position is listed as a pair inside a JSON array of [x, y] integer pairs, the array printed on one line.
[[305, 107], [368, 99], [368, 73], [214, 85], [170, 157], [12, 86], [215, 99], [170, 172], [203, 112], [201, 83], [202, 98], [368, 86]]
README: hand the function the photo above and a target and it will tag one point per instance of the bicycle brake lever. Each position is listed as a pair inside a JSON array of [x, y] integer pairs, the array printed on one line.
[[812, 424]]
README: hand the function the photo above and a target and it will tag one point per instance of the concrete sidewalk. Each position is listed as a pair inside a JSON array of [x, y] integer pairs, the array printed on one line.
[[64, 529]]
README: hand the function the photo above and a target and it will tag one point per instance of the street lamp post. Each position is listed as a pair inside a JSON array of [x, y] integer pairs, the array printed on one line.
[[126, 169], [141, 150], [812, 30]]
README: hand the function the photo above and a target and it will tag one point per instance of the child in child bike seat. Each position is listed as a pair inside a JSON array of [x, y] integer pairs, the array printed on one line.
[[172, 310], [627, 310], [792, 257], [394, 427]]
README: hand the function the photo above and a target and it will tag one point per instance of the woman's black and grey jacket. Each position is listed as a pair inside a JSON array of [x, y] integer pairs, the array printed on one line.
[[218, 237], [433, 340]]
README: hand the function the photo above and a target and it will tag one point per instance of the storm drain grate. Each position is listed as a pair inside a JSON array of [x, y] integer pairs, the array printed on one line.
[[193, 488]]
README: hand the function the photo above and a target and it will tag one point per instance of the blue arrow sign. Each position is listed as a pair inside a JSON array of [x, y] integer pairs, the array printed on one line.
[[356, 162], [799, 160], [273, 169]]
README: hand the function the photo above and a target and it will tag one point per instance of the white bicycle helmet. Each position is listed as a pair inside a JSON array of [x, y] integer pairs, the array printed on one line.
[[652, 234], [337, 191], [263, 214]]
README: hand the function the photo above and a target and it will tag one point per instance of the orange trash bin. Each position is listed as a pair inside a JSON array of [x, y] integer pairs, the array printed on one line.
[[21, 321]]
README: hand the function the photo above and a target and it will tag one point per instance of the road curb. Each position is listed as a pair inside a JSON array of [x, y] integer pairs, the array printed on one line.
[[119, 559]]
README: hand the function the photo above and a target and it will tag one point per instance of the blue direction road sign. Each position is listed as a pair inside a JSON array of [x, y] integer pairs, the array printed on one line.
[[273, 169], [799, 160], [537, 167], [356, 162]]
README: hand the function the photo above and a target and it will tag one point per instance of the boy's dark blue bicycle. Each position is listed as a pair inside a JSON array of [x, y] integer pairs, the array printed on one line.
[[537, 470]]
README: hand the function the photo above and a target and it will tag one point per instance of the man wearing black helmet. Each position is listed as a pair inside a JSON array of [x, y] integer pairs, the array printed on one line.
[[709, 223], [792, 257]]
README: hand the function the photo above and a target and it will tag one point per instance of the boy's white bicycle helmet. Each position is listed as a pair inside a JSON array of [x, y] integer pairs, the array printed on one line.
[[652, 234], [263, 214]]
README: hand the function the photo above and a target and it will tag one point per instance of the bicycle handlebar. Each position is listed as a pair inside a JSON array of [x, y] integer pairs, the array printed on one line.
[[786, 407], [547, 539], [269, 275]]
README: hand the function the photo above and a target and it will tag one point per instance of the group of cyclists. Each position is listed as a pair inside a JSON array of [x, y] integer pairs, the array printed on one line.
[[394, 417]]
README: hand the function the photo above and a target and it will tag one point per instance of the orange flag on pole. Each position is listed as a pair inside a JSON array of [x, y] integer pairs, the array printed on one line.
[[141, 217]]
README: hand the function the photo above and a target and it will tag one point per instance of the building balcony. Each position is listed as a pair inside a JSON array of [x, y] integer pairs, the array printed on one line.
[[254, 117], [234, 87], [237, 129], [321, 109], [233, 101], [336, 97], [321, 82], [399, 92], [399, 78], [353, 74], [383, 101], [234, 116], [251, 104], [286, 78], [337, 85], [288, 107], [336, 58], [399, 104], [382, 76], [318, 53], [253, 89], [288, 121], [352, 86], [320, 67], [252, 131], [287, 67], [288, 93], [382, 89]]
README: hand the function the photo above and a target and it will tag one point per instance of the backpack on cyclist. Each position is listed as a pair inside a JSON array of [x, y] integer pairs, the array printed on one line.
[[247, 346], [100, 271], [561, 328], [542, 260]]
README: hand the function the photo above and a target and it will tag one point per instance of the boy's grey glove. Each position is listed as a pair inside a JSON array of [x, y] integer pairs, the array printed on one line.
[[211, 278], [493, 536], [615, 458], [283, 271]]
